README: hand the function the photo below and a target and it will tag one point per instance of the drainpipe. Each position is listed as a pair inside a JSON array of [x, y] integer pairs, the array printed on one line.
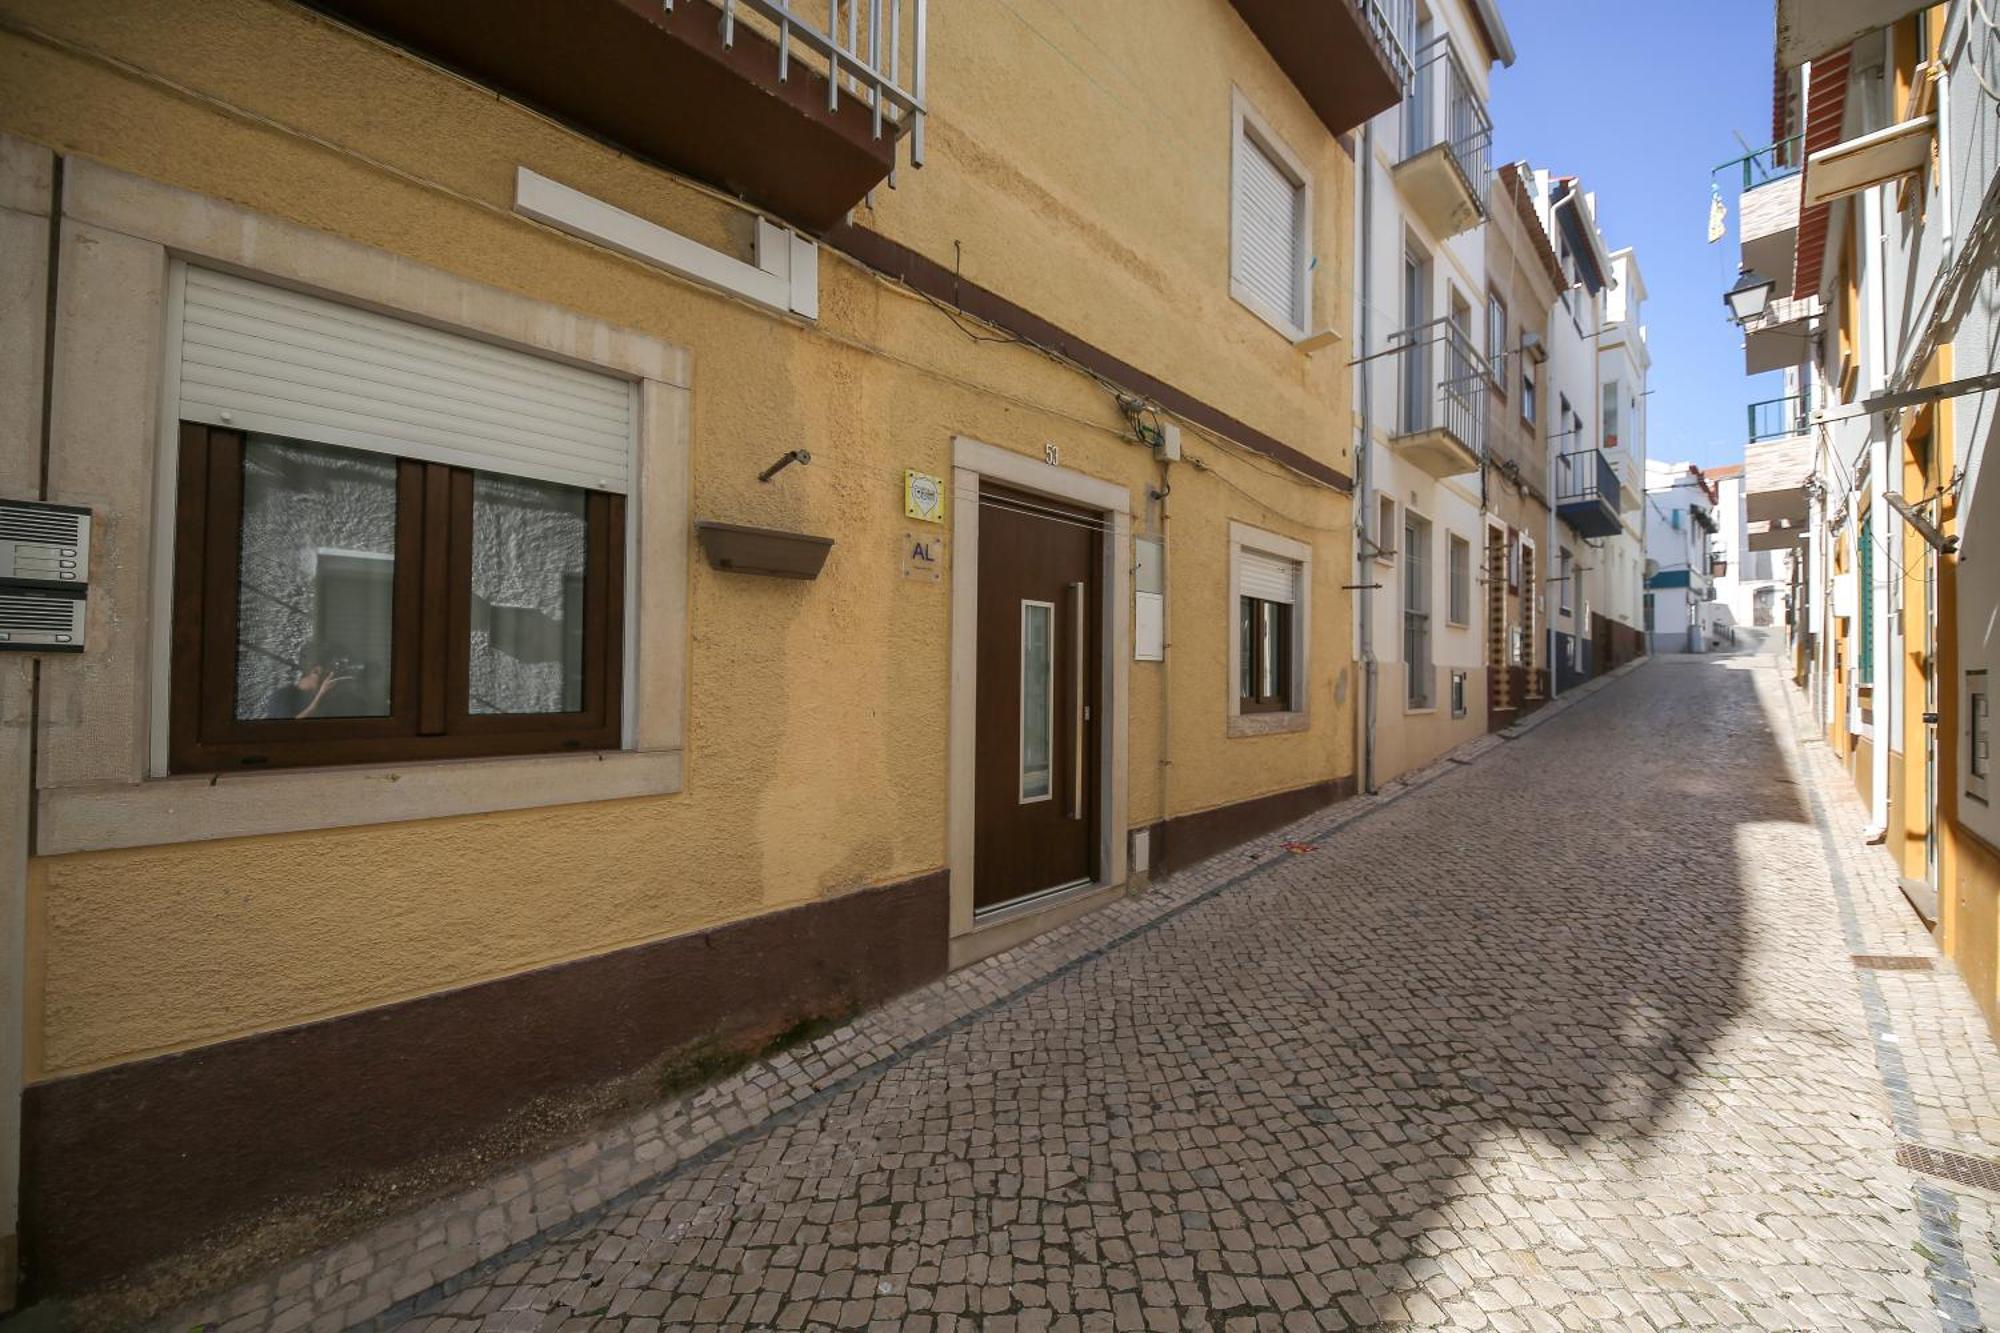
[[1363, 560], [27, 477], [1166, 665], [1883, 696]]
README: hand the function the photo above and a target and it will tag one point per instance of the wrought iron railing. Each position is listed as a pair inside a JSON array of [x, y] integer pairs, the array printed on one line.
[[1385, 20], [1777, 417], [1763, 165], [1464, 128], [873, 49], [1444, 382], [1584, 475]]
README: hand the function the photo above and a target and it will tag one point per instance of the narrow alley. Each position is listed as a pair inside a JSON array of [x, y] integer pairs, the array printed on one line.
[[1567, 1033]]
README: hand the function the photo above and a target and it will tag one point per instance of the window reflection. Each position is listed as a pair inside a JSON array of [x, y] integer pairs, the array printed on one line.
[[316, 581], [529, 545]]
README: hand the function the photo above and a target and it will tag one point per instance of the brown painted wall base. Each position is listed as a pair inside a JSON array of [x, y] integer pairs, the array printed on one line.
[[1186, 839], [131, 1165]]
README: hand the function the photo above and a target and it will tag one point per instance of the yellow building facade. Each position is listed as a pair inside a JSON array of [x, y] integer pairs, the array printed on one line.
[[251, 972]]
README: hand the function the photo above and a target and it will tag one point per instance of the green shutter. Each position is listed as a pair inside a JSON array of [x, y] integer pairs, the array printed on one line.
[[1867, 600]]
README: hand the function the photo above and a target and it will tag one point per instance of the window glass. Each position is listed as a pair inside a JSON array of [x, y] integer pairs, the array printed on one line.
[[316, 581], [1038, 677], [529, 543], [1460, 572], [1268, 650]]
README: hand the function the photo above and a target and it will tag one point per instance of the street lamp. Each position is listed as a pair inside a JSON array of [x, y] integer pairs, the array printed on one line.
[[1747, 299]]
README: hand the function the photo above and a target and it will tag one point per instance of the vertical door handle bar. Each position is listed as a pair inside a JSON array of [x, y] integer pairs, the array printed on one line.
[[1076, 707]]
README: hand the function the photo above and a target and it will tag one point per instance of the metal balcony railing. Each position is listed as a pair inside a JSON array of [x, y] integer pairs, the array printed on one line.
[[1444, 107], [1586, 475], [1444, 382], [1775, 418], [1386, 20], [1771, 162], [866, 45]]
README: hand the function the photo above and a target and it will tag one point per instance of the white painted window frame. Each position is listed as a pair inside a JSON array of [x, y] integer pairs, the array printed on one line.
[[1243, 537], [107, 786], [1452, 540], [1246, 124]]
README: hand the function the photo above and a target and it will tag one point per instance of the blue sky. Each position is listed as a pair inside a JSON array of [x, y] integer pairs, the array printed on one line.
[[1641, 100]]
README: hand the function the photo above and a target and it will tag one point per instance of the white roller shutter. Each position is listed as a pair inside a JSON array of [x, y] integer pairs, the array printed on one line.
[[1267, 576], [1268, 225], [261, 358]]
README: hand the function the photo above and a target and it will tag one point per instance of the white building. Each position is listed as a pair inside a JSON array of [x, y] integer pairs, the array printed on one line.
[[1595, 418], [1680, 526], [1751, 587], [1423, 392]]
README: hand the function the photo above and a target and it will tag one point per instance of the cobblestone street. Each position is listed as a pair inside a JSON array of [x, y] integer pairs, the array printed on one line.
[[1562, 1034]]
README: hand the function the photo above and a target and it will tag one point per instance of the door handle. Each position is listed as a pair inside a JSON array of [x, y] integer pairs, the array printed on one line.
[[1076, 702]]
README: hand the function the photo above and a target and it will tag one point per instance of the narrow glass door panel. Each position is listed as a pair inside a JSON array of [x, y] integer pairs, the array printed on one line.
[[1038, 712]]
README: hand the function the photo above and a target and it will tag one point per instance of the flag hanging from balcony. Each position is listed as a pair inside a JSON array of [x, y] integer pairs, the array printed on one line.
[[1716, 213]]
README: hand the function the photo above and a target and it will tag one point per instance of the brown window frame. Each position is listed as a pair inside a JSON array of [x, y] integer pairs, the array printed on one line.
[[430, 715], [1254, 662], [1497, 357]]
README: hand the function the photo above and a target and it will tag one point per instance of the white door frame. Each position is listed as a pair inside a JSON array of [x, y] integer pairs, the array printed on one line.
[[973, 461]]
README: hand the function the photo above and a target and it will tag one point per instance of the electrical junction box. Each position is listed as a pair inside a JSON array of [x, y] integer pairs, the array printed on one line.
[[44, 576], [1168, 450]]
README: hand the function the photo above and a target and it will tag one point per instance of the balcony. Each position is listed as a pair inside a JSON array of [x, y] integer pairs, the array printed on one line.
[[1775, 472], [758, 98], [1342, 55], [1781, 337], [1774, 535], [1447, 144], [1777, 417], [1441, 392], [1588, 495], [1768, 211]]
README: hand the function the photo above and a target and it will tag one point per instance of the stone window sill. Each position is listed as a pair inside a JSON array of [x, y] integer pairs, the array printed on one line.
[[1267, 724], [201, 807]]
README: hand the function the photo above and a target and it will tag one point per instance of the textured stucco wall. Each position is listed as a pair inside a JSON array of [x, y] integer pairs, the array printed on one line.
[[816, 742]]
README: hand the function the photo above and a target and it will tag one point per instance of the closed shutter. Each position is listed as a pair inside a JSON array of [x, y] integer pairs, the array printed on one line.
[[261, 358], [1267, 577], [1268, 225]]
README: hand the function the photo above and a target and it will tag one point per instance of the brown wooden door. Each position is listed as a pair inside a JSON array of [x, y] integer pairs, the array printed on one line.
[[1035, 768]]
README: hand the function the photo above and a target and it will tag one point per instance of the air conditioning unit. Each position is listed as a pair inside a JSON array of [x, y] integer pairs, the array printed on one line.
[[1537, 351]]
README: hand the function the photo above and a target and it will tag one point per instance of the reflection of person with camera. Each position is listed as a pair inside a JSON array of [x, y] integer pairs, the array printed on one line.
[[316, 680]]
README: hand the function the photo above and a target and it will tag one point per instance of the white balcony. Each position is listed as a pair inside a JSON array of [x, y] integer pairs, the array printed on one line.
[[1447, 144], [1768, 220], [1442, 388]]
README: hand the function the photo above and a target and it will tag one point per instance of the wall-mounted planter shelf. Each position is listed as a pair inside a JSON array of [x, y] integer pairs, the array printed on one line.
[[745, 550]]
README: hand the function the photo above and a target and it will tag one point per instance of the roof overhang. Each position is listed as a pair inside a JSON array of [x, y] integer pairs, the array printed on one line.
[[1511, 179], [1845, 168], [1572, 213], [1494, 30]]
